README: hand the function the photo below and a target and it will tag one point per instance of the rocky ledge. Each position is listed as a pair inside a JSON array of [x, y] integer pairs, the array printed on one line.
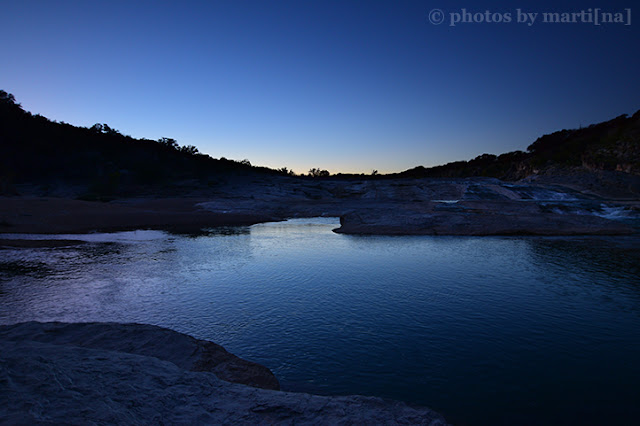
[[480, 218], [107, 373], [456, 206]]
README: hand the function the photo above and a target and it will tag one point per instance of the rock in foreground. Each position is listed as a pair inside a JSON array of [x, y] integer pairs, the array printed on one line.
[[54, 381], [184, 351]]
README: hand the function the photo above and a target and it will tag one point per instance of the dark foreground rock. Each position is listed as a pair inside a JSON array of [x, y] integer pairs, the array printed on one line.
[[109, 374], [180, 349]]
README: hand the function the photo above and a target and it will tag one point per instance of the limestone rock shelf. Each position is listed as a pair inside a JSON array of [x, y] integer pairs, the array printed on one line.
[[107, 373]]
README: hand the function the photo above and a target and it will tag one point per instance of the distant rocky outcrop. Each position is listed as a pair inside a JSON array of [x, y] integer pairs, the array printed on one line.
[[479, 219], [484, 206], [137, 374]]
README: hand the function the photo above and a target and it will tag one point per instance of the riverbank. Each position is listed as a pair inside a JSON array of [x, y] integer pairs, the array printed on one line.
[[433, 206], [50, 215]]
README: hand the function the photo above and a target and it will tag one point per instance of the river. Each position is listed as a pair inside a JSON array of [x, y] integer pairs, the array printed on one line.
[[489, 330]]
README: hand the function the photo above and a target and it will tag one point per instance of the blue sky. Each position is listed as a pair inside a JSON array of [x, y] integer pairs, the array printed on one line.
[[347, 86]]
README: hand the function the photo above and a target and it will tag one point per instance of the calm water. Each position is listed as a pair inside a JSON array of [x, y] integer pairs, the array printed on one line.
[[484, 330]]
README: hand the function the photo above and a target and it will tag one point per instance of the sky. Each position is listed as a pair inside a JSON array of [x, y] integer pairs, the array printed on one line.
[[347, 86]]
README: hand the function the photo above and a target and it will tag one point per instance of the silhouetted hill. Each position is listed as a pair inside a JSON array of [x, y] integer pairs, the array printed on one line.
[[36, 150], [613, 145], [106, 163]]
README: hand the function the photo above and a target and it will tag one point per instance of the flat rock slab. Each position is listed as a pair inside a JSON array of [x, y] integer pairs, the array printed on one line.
[[182, 350], [52, 380], [468, 218]]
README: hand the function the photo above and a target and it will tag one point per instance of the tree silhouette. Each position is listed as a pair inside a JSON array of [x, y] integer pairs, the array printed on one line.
[[97, 128], [7, 98], [168, 142], [102, 128], [315, 172], [189, 149], [285, 171]]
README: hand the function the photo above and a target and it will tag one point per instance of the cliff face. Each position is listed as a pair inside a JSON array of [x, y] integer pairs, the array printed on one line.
[[622, 155], [613, 145]]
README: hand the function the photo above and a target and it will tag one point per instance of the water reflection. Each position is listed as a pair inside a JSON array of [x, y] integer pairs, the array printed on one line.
[[592, 261], [487, 330], [13, 269], [221, 231]]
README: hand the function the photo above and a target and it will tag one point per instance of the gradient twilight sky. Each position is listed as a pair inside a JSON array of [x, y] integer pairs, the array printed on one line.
[[347, 86]]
